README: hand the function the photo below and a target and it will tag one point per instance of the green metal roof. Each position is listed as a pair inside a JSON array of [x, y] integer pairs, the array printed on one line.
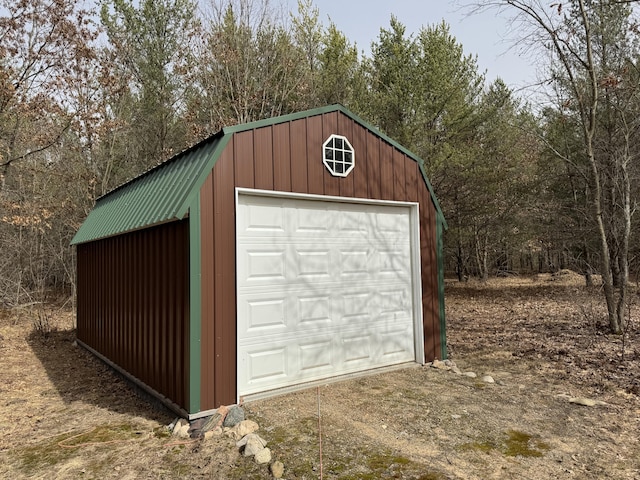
[[157, 196], [163, 193]]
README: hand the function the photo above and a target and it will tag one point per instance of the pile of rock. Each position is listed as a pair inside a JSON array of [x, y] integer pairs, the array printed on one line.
[[450, 366], [230, 422]]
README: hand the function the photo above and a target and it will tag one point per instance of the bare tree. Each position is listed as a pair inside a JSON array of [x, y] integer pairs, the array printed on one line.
[[584, 40]]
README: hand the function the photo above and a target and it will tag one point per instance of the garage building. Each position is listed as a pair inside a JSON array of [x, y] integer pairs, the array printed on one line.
[[270, 256]]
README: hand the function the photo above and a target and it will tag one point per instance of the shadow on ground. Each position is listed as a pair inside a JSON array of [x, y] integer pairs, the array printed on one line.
[[79, 376]]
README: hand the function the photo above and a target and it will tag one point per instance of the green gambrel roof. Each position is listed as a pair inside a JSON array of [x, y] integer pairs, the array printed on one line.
[[164, 193], [157, 196]]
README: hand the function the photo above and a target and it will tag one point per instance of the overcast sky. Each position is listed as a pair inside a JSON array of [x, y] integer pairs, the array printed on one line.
[[486, 35]]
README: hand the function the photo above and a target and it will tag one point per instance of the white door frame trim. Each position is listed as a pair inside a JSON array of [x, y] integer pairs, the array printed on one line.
[[416, 264]]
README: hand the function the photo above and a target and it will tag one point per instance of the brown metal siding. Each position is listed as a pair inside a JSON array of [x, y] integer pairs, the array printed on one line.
[[133, 304], [313, 158], [345, 125], [288, 157], [282, 158]]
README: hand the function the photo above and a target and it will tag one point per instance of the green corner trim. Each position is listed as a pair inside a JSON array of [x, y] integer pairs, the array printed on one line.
[[440, 225], [195, 309]]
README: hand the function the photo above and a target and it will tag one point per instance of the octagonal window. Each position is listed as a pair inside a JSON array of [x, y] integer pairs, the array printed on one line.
[[338, 155]]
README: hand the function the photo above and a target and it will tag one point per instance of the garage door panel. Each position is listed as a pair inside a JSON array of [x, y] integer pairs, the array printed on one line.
[[313, 310], [309, 221], [262, 265], [357, 351], [323, 289], [266, 365], [265, 314], [311, 263], [262, 218], [396, 343], [316, 356]]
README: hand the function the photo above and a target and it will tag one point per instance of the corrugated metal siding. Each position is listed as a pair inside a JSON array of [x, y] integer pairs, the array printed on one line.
[[153, 198], [133, 307], [288, 157]]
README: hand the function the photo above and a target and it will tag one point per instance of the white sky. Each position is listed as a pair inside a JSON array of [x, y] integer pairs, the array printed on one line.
[[486, 35]]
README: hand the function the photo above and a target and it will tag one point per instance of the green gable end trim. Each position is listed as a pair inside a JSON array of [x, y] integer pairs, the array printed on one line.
[[166, 192]]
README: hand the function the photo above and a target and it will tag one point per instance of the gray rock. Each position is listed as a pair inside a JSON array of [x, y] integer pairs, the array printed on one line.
[[263, 456], [456, 370], [586, 402], [181, 428], [469, 374], [234, 417], [440, 365], [245, 427], [212, 422], [488, 379], [252, 444], [449, 363], [277, 469]]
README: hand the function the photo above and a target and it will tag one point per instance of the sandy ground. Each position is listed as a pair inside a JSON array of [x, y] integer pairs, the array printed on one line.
[[63, 414]]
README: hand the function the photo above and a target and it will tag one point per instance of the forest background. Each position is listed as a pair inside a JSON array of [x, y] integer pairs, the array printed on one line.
[[93, 95]]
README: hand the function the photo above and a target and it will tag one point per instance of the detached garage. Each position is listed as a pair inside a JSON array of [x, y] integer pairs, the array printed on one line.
[[272, 255]]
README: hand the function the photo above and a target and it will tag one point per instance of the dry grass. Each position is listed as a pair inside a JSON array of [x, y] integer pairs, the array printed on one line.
[[66, 415]]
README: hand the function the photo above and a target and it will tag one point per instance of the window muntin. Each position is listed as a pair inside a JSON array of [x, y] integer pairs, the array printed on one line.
[[338, 156]]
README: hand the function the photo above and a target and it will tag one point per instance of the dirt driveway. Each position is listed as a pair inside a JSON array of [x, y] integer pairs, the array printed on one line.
[[65, 415]]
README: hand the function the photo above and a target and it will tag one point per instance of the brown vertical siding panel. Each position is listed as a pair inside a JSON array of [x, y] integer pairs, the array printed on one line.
[[329, 127], [126, 288], [299, 171], [162, 315], [175, 325], [82, 296], [282, 157], [313, 155], [373, 166], [125, 298], [426, 235], [103, 286], [386, 171], [263, 157], [399, 176], [107, 315], [152, 282], [346, 128], [141, 366], [119, 300], [161, 311], [412, 176], [172, 314], [225, 292], [359, 172], [435, 312], [154, 309], [180, 319], [207, 279], [120, 322], [242, 152], [111, 264], [146, 310]]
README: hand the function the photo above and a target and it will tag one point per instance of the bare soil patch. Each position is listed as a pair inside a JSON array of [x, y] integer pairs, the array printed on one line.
[[66, 415]]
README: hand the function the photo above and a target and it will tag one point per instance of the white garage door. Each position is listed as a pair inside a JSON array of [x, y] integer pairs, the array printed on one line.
[[324, 289]]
